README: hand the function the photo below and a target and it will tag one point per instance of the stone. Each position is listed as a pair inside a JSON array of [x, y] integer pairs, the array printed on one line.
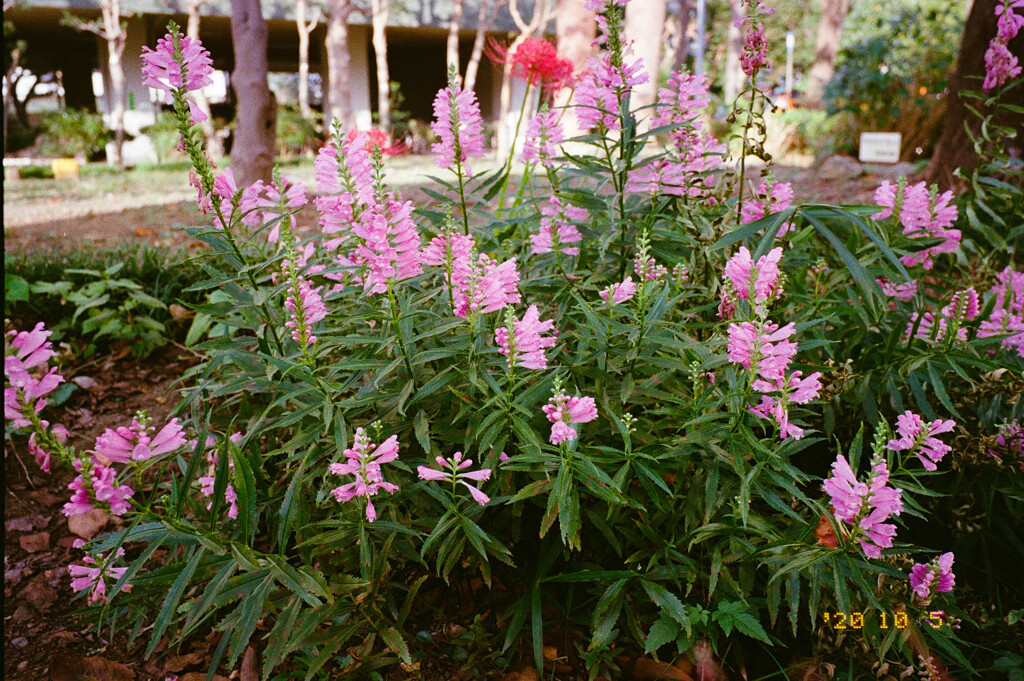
[[89, 524], [890, 171], [839, 168], [31, 543]]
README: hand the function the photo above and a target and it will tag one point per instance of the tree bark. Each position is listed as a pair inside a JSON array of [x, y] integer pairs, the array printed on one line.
[[542, 14], [682, 50], [575, 30], [252, 153], [113, 33], [339, 72], [733, 44], [380, 50], [645, 21], [213, 144], [483, 23], [304, 30], [830, 32], [955, 149], [452, 53]]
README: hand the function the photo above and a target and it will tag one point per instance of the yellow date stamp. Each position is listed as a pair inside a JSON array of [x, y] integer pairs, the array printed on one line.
[[856, 619]]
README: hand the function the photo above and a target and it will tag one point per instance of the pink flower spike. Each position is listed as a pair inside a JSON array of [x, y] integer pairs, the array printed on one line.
[[364, 461], [458, 127], [453, 469], [865, 506], [162, 70], [619, 293], [522, 343], [917, 437], [929, 579]]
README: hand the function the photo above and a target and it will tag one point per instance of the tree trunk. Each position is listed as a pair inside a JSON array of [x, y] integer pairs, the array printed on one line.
[[955, 149], [683, 30], [213, 144], [734, 43], [575, 30], [830, 31], [483, 23], [113, 33], [645, 22], [542, 14], [304, 31], [452, 55], [252, 154], [339, 73], [380, 51]]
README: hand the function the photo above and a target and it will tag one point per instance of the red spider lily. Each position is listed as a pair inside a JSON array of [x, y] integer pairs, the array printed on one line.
[[536, 60], [379, 138]]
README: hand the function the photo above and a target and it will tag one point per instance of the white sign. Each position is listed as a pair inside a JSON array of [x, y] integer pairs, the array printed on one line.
[[879, 147]]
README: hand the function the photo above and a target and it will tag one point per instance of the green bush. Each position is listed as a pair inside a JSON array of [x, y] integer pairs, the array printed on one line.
[[72, 132]]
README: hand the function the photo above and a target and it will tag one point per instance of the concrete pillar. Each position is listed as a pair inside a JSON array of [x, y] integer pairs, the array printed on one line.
[[359, 88]]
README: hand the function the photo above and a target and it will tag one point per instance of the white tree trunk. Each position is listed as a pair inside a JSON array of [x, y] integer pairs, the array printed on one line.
[[213, 145], [380, 50], [645, 21], [483, 22], [575, 28], [830, 31], [252, 153], [542, 14], [113, 32], [452, 53], [339, 76], [304, 31], [734, 43]]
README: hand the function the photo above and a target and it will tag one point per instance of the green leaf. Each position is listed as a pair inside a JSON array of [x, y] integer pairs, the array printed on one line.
[[16, 289], [665, 630], [396, 644]]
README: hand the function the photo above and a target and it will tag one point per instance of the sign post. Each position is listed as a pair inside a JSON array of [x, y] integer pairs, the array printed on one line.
[[879, 147]]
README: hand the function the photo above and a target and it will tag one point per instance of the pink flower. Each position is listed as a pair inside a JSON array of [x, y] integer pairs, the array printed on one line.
[[602, 88], [563, 410], [922, 214], [458, 127], [1001, 65], [134, 443], [448, 248], [522, 343], [1009, 23], [543, 135], [31, 349], [309, 310], [766, 351], [773, 408], [903, 291], [162, 69], [557, 230], [388, 247], [96, 487], [681, 102], [865, 506], [484, 286], [918, 437], [364, 462], [648, 269], [928, 579], [768, 201], [208, 482], [453, 469], [756, 283], [619, 293], [93, 573]]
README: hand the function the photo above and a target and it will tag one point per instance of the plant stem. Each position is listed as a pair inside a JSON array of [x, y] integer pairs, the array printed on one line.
[[398, 335]]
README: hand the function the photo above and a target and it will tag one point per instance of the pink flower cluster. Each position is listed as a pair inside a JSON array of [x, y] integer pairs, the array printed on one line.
[[619, 293], [208, 482], [135, 442], [307, 309], [458, 127], [454, 470], [928, 579], [96, 487], [364, 461], [768, 200], [754, 54], [903, 291], [163, 70], [94, 573], [918, 437], [602, 88], [1001, 65], [483, 286], [27, 382], [922, 213], [1007, 318], [563, 410], [344, 179], [522, 342], [544, 134], [865, 506], [557, 231], [1009, 442], [647, 268], [262, 203], [962, 307], [754, 282], [681, 102]]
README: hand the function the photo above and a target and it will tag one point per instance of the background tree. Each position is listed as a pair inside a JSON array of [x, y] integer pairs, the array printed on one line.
[[452, 52], [379, 11], [575, 28], [252, 153], [645, 22], [339, 71], [483, 23], [111, 29], [543, 12], [682, 49], [954, 148], [213, 144], [733, 78], [305, 29], [830, 32]]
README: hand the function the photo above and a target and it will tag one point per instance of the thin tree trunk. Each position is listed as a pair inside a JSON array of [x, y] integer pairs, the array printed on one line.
[[542, 14], [645, 21], [304, 30], [252, 154], [734, 43], [830, 31], [213, 144], [955, 149], [483, 23], [683, 29], [113, 33], [452, 55], [338, 64], [380, 50], [575, 29]]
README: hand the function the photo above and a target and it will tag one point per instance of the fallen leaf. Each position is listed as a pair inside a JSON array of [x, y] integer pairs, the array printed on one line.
[[89, 669], [26, 523], [201, 676], [175, 663], [550, 652], [250, 666], [39, 594], [825, 533], [645, 668], [89, 524], [85, 382], [32, 543], [46, 498], [180, 313]]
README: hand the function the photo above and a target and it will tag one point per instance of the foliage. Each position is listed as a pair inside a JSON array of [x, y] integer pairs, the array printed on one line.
[[164, 133], [637, 498], [72, 132], [295, 134]]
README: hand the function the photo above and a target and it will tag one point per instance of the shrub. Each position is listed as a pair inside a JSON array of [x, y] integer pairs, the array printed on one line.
[[72, 132], [639, 408]]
